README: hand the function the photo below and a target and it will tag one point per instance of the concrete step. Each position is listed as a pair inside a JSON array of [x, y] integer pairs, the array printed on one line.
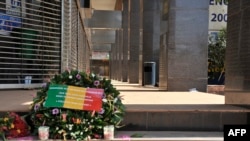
[[158, 115], [183, 117], [169, 136], [155, 136]]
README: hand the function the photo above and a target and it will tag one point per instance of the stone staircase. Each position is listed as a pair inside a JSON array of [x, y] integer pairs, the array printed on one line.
[[179, 112], [183, 122], [183, 117], [158, 122]]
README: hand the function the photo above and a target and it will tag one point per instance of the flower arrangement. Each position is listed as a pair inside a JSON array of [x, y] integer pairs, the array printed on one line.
[[5, 125], [74, 124], [13, 126]]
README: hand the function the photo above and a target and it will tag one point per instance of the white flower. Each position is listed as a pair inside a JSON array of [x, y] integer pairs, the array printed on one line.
[[70, 76], [86, 129], [73, 135], [104, 100], [77, 132], [83, 121], [115, 100], [70, 126], [87, 138], [61, 131]]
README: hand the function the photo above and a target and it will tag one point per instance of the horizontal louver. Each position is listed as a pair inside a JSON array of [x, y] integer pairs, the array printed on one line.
[[66, 35], [30, 36], [74, 29]]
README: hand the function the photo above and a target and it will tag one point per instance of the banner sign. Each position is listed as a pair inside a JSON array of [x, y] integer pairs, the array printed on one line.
[[217, 14], [100, 55], [7, 23], [13, 7], [73, 97]]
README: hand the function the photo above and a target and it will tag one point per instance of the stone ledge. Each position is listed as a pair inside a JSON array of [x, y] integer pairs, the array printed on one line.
[[216, 89], [185, 108], [154, 136]]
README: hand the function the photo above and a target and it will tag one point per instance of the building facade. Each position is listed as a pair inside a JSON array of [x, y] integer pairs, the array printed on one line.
[[39, 38]]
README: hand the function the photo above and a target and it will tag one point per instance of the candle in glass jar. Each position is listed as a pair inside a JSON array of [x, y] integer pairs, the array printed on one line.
[[108, 132], [43, 132]]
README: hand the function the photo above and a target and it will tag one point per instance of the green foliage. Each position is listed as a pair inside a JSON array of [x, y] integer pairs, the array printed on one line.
[[78, 124], [216, 56]]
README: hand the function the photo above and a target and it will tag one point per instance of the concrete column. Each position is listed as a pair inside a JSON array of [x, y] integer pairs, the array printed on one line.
[[120, 32], [119, 55], [163, 61], [87, 55], [115, 71], [112, 62], [125, 38], [186, 44], [135, 25], [84, 45], [237, 80], [151, 32], [115, 57]]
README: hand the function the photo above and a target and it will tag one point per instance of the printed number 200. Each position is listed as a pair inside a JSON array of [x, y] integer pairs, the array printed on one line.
[[219, 17]]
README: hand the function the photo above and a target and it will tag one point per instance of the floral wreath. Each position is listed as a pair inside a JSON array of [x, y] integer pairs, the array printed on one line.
[[77, 124]]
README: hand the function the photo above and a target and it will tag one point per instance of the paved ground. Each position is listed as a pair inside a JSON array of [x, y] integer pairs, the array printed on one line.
[[133, 94]]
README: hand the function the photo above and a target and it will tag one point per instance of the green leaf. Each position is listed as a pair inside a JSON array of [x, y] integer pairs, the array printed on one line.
[[47, 114]]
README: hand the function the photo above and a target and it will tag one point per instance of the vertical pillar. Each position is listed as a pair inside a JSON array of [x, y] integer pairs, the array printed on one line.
[[84, 44], [141, 44], [125, 38], [237, 82], [112, 62], [120, 54], [88, 56], [135, 22], [187, 42], [151, 32], [163, 60], [115, 48]]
